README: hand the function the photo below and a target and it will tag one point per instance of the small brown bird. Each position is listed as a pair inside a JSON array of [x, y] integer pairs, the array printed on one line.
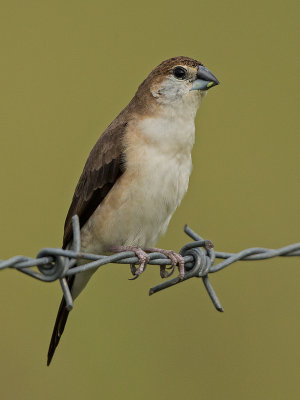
[[138, 172]]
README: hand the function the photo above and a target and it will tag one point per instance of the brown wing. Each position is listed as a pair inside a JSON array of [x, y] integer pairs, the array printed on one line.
[[103, 167]]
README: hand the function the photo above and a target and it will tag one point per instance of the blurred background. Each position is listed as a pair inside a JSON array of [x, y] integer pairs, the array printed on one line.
[[67, 69]]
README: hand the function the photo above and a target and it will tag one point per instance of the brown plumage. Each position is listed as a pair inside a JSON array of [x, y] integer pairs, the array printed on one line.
[[165, 68], [104, 164], [104, 167]]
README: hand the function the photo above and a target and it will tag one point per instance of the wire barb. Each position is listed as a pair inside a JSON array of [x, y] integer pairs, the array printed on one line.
[[199, 258]]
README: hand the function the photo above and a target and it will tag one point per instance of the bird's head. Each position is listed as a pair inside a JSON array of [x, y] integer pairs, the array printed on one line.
[[178, 80]]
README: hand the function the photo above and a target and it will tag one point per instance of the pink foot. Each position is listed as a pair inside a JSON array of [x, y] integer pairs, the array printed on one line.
[[141, 255], [176, 259]]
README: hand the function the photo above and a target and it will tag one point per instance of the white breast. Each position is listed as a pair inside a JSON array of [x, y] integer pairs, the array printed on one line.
[[167, 164], [139, 207], [164, 169]]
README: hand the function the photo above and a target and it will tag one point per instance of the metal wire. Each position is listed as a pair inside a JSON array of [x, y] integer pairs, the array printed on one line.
[[199, 256]]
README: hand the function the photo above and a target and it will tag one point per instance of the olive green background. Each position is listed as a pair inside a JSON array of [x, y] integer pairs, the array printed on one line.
[[67, 69]]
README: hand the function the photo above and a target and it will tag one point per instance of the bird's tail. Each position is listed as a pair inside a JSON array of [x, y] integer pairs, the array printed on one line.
[[58, 329], [59, 326]]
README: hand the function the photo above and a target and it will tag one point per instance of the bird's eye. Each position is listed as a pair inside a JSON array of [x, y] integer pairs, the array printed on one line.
[[179, 72]]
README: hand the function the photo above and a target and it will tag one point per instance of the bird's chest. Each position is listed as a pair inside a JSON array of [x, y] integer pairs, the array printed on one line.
[[156, 187], [137, 210], [161, 155], [161, 180], [158, 169]]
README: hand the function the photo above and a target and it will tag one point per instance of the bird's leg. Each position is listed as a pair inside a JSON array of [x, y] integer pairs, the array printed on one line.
[[176, 259], [141, 255]]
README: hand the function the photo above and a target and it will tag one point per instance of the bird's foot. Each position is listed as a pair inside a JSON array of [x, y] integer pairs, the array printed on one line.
[[176, 260], [141, 255]]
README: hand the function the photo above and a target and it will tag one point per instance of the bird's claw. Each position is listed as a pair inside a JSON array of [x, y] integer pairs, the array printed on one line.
[[141, 255], [143, 260], [164, 273], [176, 260]]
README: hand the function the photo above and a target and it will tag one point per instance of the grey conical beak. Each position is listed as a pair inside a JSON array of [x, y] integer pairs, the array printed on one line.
[[205, 79]]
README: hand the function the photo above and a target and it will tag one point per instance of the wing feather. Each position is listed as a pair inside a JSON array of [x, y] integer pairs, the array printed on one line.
[[104, 166]]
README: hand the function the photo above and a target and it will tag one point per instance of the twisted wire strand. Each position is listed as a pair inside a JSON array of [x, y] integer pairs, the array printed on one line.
[[199, 256]]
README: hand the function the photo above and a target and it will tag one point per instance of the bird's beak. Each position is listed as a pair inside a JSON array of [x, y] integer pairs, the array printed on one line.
[[205, 79]]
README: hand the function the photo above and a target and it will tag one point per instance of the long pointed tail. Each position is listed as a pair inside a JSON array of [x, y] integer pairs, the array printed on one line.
[[58, 329], [59, 325]]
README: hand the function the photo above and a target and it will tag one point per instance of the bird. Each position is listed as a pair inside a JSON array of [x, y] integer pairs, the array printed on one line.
[[137, 173]]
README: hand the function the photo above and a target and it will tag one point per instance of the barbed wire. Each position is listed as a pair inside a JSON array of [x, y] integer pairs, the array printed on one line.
[[199, 257]]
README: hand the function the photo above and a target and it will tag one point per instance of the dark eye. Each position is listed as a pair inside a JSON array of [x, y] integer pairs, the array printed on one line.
[[179, 72]]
